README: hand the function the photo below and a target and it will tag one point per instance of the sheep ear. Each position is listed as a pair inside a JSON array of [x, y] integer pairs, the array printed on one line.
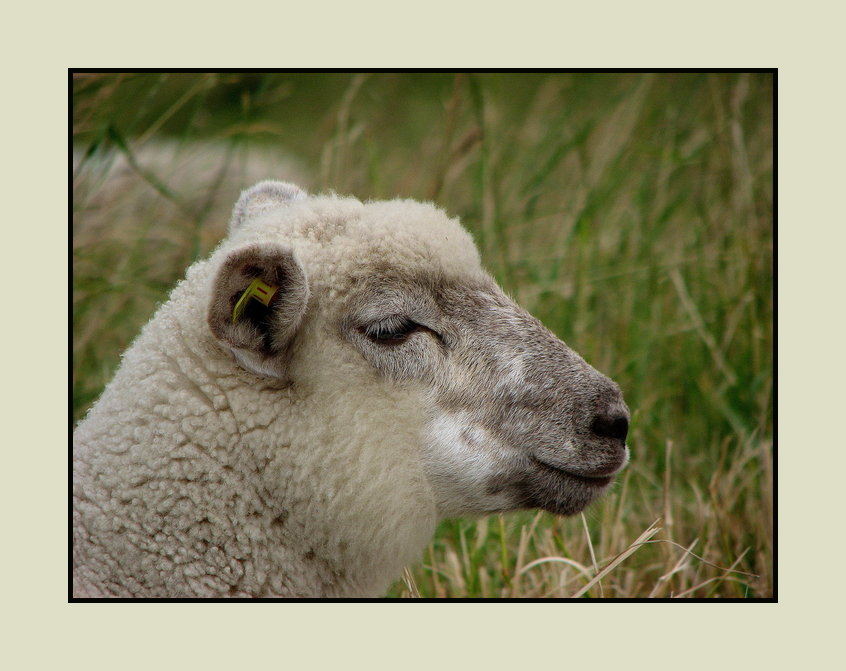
[[261, 330], [263, 196]]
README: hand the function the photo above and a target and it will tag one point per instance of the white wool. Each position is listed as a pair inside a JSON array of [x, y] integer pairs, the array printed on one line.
[[184, 435], [210, 469]]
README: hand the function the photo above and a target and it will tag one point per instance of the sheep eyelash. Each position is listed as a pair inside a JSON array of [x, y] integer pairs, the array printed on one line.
[[395, 328]]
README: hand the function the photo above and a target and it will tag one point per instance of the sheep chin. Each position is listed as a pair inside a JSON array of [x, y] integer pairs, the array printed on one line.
[[473, 472]]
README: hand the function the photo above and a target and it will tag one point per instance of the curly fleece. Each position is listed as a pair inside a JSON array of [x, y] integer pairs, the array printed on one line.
[[193, 477]]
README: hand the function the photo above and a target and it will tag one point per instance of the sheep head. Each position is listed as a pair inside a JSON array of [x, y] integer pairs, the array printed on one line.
[[513, 418]]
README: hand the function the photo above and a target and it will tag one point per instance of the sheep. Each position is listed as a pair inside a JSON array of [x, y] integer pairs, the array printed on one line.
[[335, 379]]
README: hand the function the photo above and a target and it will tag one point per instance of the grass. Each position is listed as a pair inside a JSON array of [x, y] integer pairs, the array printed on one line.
[[633, 214]]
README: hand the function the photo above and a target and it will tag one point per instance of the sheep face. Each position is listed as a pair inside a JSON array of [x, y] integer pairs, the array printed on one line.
[[516, 419], [512, 418]]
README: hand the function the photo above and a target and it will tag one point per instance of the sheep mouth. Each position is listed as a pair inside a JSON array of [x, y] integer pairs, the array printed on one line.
[[598, 481]]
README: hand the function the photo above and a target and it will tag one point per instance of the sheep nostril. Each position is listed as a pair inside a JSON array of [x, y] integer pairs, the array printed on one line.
[[611, 426]]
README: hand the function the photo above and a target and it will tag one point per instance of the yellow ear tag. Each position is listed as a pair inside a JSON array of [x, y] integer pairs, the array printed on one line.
[[259, 290]]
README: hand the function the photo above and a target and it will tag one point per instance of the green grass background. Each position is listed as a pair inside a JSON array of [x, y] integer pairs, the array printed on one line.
[[631, 213]]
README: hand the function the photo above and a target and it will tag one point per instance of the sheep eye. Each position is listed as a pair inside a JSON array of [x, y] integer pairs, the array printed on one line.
[[394, 329]]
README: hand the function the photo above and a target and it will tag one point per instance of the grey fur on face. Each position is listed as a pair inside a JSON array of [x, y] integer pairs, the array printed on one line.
[[537, 425]]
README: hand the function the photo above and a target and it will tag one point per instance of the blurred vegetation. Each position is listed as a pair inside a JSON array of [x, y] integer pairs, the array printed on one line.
[[631, 213]]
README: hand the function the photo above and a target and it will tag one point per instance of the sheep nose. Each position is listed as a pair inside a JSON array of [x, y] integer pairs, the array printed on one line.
[[611, 425]]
